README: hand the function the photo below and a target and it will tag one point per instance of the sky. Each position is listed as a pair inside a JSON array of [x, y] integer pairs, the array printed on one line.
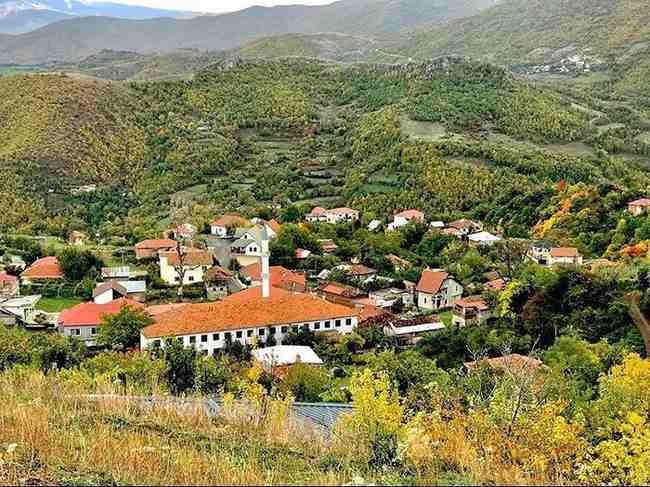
[[216, 6]]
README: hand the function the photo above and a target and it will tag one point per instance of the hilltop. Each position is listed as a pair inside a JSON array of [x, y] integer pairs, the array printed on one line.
[[541, 31]]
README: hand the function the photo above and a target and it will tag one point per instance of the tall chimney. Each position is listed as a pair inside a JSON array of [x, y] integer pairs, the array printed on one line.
[[266, 274]]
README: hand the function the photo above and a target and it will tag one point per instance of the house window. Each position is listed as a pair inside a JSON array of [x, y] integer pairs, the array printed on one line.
[[177, 279], [238, 334], [261, 332], [204, 338], [156, 344], [192, 339], [215, 337], [272, 331], [76, 332], [348, 321], [249, 333], [93, 331], [284, 329], [317, 325], [190, 278], [337, 323], [228, 336], [328, 324]]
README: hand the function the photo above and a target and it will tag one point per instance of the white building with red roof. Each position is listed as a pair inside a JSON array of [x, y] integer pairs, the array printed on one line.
[[638, 207], [333, 216], [9, 286], [473, 310], [221, 225], [83, 320], [193, 262], [149, 249], [437, 290], [564, 256], [405, 217]]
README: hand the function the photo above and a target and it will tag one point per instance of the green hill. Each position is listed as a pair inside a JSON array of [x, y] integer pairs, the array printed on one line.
[[540, 31]]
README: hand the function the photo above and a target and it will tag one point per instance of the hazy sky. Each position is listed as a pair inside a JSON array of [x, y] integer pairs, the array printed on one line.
[[217, 5]]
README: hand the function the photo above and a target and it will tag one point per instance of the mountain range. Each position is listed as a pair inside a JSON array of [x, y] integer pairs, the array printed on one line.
[[77, 38], [20, 16]]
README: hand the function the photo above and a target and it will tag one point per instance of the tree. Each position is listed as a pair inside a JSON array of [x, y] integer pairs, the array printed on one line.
[[182, 265], [305, 382], [511, 253], [77, 264], [122, 330], [181, 363]]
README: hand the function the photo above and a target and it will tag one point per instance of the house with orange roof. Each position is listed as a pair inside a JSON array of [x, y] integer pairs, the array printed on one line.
[[220, 282], [279, 276], [564, 256], [472, 310], [221, 225], [44, 269], [83, 320], [638, 207], [194, 263], [249, 317], [149, 249], [437, 290], [340, 293], [405, 217], [9, 285]]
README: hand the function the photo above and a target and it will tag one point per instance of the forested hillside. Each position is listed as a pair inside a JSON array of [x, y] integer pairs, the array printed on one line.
[[452, 137], [540, 31]]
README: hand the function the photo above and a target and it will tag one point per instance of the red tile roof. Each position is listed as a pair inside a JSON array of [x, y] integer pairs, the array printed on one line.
[[246, 309], [431, 281], [190, 257], [360, 270], [114, 285], [90, 314], [317, 211], [218, 274], [343, 290], [411, 215], [45, 268], [473, 302], [231, 220], [342, 211], [156, 244], [640, 202], [280, 276], [496, 284], [564, 252], [159, 309], [275, 226], [462, 224]]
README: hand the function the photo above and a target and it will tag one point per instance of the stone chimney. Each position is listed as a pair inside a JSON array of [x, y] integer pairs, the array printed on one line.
[[266, 273]]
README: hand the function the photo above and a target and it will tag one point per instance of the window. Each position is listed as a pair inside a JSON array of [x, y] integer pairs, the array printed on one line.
[[261, 332], [192, 339], [76, 332], [337, 323], [190, 278], [272, 331], [93, 331], [328, 324], [204, 338], [285, 329], [249, 333], [348, 321], [215, 337], [177, 279], [317, 325], [238, 334], [156, 344]]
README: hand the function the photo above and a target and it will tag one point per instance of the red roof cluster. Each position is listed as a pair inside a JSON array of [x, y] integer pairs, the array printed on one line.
[[189, 257], [156, 244], [280, 276], [90, 314], [411, 215], [45, 268]]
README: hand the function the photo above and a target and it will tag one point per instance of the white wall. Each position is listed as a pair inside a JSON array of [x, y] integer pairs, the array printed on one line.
[[218, 230], [85, 333], [217, 340], [170, 276]]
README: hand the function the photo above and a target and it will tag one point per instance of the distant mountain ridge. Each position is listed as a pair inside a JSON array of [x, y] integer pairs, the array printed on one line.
[[21, 16], [77, 38]]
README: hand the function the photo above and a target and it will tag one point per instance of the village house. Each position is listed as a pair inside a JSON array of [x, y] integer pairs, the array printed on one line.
[[112, 290], [21, 310], [248, 317], [340, 293], [78, 239], [389, 297], [9, 285], [483, 239], [564, 256], [279, 277], [638, 207], [272, 226], [404, 218], [278, 359], [185, 231], [462, 228], [495, 285], [194, 262], [472, 310], [328, 246], [44, 269], [301, 254], [149, 249], [539, 252], [407, 332], [220, 282], [333, 216], [220, 226], [357, 271], [83, 320], [437, 290]]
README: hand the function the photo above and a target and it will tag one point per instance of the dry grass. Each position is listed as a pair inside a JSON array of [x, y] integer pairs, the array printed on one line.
[[50, 434]]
